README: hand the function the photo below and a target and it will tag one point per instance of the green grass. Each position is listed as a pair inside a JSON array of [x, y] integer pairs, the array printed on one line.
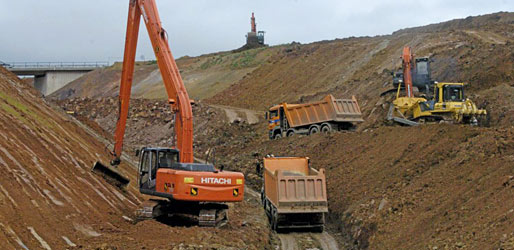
[[211, 62], [246, 59], [20, 111], [10, 110]]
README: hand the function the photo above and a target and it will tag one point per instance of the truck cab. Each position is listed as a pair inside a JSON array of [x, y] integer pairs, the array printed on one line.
[[275, 117]]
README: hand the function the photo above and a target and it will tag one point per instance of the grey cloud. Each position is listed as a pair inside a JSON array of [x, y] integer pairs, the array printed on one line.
[[94, 30]]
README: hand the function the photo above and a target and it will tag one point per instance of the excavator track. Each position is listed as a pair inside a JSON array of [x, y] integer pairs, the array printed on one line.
[[207, 214], [214, 217]]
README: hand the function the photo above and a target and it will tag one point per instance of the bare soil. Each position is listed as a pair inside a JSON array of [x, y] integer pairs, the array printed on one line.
[[49, 198]]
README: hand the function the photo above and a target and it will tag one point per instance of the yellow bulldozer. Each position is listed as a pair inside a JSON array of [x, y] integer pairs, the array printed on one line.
[[447, 102]]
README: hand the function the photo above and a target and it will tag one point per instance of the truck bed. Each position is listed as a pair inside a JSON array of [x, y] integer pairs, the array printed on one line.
[[294, 194], [329, 109]]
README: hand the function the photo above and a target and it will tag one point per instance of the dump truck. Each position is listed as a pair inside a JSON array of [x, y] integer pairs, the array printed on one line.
[[293, 194], [329, 114]]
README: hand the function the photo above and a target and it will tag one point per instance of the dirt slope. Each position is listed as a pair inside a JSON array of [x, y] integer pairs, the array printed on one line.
[[49, 198], [150, 122], [443, 186], [475, 50], [46, 182], [204, 76]]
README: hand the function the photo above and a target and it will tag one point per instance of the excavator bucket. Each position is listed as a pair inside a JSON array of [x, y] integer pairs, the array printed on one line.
[[111, 175]]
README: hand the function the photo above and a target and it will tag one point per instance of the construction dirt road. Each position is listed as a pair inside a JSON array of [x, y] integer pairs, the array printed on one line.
[[438, 186]]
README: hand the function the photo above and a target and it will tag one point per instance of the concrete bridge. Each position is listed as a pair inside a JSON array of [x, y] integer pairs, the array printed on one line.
[[51, 76]]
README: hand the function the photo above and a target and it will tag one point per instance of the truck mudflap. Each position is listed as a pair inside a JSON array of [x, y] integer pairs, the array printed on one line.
[[300, 220]]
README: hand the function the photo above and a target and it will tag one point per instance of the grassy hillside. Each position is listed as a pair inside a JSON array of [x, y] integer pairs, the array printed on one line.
[[204, 76]]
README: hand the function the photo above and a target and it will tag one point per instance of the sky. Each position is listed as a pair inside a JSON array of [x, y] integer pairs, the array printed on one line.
[[94, 30]]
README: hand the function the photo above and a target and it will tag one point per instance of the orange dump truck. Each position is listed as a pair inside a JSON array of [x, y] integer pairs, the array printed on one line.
[[293, 194], [326, 115]]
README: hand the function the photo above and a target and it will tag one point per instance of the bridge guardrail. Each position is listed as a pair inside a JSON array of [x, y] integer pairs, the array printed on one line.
[[21, 65]]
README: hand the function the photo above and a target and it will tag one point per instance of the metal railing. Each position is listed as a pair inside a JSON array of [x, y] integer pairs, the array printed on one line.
[[23, 65]]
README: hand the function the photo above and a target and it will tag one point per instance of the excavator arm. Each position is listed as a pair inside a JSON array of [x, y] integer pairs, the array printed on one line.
[[177, 94], [407, 59]]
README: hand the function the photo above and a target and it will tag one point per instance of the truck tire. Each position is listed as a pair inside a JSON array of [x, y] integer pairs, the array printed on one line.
[[262, 197], [313, 130], [326, 128], [277, 136], [274, 221], [290, 133]]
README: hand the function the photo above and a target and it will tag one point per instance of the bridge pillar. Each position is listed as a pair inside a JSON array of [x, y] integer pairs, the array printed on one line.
[[51, 81], [51, 76]]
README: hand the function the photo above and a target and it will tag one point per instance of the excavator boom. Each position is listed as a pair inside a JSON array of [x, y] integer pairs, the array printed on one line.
[[177, 94], [407, 70]]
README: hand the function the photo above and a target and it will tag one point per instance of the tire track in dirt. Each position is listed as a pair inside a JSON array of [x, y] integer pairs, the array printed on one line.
[[288, 242], [300, 240], [326, 241]]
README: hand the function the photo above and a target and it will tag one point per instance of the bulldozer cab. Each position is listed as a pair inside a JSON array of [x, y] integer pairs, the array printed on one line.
[[152, 159], [449, 92]]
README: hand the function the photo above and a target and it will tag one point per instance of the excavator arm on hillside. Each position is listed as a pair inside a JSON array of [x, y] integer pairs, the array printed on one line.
[[177, 94], [407, 59]]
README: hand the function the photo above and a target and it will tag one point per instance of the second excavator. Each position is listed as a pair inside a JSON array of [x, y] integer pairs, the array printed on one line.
[[184, 187]]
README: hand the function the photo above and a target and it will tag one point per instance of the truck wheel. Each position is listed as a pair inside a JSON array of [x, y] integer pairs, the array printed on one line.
[[277, 136], [313, 130], [290, 133], [326, 128], [274, 222]]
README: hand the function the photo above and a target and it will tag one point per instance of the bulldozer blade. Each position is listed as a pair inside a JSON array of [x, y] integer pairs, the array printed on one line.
[[111, 175]]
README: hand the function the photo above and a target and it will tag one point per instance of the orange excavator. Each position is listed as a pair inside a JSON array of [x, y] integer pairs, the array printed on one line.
[[196, 189]]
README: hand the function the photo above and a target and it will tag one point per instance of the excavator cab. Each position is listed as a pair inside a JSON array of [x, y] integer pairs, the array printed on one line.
[[150, 160]]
